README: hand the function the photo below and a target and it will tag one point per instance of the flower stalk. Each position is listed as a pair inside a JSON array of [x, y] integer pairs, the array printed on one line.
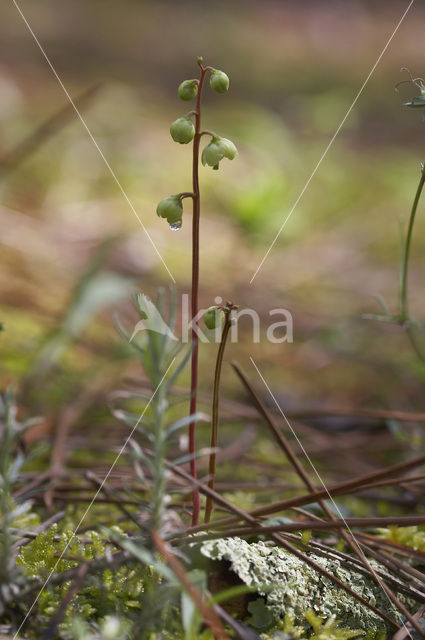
[[404, 309], [183, 131], [195, 289], [215, 407]]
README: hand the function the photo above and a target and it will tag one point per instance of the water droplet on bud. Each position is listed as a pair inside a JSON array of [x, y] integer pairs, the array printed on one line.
[[175, 226]]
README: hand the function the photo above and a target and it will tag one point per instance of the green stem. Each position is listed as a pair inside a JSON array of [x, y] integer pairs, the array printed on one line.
[[404, 309], [214, 418]]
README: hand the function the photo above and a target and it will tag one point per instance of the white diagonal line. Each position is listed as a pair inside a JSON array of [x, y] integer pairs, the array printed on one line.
[[319, 477], [341, 124], [93, 500], [102, 155]]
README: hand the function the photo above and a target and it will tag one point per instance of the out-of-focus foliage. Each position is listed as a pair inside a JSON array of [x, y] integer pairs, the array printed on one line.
[[413, 537]]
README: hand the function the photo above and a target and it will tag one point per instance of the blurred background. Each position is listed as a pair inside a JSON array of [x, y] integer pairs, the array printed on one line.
[[73, 252]]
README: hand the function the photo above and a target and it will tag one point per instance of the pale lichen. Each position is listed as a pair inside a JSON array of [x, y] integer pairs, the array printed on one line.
[[291, 587]]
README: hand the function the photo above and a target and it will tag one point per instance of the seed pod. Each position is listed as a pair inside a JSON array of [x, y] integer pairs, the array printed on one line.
[[213, 317], [188, 89], [219, 81], [182, 130], [170, 208]]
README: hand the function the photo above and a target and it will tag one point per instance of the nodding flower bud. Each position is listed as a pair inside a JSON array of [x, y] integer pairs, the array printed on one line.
[[212, 154], [188, 89], [213, 317], [170, 208], [219, 81], [216, 150], [229, 149], [182, 130]]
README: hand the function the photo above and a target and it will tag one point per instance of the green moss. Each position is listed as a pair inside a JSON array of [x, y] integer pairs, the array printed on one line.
[[413, 537], [111, 591], [320, 629]]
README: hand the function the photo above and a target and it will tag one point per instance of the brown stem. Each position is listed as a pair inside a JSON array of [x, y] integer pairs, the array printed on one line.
[[209, 615], [195, 287], [214, 418]]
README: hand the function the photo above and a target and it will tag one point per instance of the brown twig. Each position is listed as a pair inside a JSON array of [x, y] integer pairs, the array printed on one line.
[[112, 495], [405, 631], [334, 490], [325, 525], [277, 539], [209, 615], [346, 533]]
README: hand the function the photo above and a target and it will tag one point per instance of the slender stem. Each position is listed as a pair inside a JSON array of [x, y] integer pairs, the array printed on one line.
[[195, 287], [404, 310], [159, 477], [417, 348], [214, 419], [208, 612]]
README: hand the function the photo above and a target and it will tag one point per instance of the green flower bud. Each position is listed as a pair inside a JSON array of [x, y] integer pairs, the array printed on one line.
[[213, 317], [182, 130], [170, 208], [218, 149], [212, 154], [228, 148], [219, 81], [188, 89]]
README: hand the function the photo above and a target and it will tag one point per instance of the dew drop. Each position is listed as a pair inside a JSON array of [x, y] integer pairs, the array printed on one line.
[[175, 226]]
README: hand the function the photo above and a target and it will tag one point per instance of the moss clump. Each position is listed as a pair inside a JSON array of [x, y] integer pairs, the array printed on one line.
[[328, 629], [413, 537], [103, 595]]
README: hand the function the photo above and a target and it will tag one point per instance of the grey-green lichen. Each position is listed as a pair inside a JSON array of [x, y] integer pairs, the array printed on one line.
[[291, 587]]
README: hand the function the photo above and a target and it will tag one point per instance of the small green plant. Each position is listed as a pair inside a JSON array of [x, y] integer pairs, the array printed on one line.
[[144, 582], [417, 102], [12, 515], [186, 129], [157, 352], [413, 537], [215, 318], [330, 630], [403, 316], [111, 628]]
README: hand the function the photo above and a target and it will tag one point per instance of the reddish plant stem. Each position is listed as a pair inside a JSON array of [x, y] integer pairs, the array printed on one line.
[[214, 421], [195, 287]]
